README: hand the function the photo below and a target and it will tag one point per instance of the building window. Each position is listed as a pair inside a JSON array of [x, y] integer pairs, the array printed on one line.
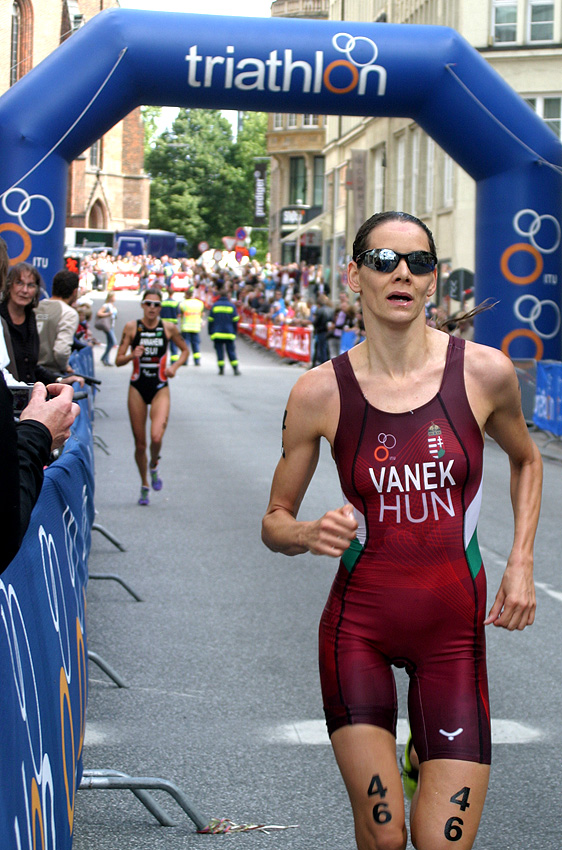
[[342, 185], [21, 40], [400, 171], [378, 185], [504, 22], [309, 120], [297, 180], [15, 47], [292, 120], [541, 20], [550, 110], [448, 172], [278, 121], [329, 191], [95, 154], [318, 187], [429, 158], [415, 171]]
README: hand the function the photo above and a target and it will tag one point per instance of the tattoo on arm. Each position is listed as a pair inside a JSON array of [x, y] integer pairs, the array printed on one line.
[[284, 428]]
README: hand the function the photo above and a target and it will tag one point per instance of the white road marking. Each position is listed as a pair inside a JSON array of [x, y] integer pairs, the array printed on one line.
[[95, 736], [556, 594], [489, 556], [313, 732]]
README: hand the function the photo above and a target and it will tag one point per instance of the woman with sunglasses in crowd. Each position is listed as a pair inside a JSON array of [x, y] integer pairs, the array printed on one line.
[[145, 344], [405, 413]]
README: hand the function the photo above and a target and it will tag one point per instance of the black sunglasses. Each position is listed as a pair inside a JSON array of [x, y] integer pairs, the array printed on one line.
[[152, 304], [386, 260]]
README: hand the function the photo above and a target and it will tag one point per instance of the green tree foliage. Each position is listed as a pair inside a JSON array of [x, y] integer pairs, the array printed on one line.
[[202, 180], [150, 116]]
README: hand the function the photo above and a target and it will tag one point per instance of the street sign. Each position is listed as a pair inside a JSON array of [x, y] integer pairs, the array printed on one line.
[[459, 281], [241, 234], [229, 242], [203, 246]]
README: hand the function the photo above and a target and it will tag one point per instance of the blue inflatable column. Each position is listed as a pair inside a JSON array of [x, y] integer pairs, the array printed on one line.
[[519, 261], [33, 209]]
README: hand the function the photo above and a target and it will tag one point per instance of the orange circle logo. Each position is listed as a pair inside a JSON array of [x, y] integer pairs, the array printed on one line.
[[335, 64], [524, 332], [381, 453], [26, 238], [508, 254]]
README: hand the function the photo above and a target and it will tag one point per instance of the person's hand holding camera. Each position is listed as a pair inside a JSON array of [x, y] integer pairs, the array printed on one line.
[[57, 414]]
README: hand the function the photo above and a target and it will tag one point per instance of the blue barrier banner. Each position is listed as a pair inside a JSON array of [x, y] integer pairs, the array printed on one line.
[[548, 398], [348, 340], [43, 655]]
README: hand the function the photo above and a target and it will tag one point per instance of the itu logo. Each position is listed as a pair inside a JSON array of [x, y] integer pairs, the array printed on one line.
[[546, 228], [382, 451], [544, 235], [19, 204], [281, 71]]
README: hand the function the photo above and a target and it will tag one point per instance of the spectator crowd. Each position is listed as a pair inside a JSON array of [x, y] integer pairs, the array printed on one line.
[[293, 294]]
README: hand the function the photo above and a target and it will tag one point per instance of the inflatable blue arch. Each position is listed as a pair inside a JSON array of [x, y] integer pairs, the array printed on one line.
[[124, 58]]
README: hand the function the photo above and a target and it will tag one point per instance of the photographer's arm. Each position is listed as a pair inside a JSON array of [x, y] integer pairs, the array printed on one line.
[[43, 426]]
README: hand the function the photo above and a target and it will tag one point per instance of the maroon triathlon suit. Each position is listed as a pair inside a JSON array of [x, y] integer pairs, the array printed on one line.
[[411, 589]]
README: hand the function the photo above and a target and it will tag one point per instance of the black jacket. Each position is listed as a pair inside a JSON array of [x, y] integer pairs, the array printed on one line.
[[25, 451]]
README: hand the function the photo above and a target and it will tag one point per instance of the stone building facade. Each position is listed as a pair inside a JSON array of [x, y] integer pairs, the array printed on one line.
[[295, 146], [402, 166]]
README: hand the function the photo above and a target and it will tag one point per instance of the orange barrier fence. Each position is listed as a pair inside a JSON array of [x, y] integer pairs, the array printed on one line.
[[294, 343]]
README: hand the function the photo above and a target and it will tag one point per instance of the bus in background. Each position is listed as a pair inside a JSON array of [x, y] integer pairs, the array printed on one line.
[[157, 243]]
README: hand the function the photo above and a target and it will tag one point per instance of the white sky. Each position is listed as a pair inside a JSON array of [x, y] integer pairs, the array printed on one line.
[[236, 8]]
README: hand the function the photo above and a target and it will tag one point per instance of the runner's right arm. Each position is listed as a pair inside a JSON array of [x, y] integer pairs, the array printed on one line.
[[123, 355], [310, 409]]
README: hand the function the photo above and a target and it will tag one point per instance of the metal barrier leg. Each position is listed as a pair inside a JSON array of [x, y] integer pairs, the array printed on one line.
[[122, 582], [107, 669], [97, 527], [89, 781], [100, 443], [140, 785]]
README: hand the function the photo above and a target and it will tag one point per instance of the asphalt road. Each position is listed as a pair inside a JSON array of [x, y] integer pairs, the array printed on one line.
[[223, 697]]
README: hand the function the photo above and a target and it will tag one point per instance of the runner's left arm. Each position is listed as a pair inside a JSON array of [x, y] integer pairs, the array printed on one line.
[[173, 334], [515, 603]]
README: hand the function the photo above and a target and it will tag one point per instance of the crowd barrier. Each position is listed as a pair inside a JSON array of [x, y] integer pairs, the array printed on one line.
[[290, 341], [548, 397], [43, 651], [287, 341]]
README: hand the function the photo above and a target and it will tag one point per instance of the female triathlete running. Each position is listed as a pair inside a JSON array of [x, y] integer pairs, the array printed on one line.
[[405, 413], [145, 343]]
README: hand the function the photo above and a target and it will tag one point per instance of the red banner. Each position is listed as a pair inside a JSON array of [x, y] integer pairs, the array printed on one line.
[[123, 280], [181, 281]]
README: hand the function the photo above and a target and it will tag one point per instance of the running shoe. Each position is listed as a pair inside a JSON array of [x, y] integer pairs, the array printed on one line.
[[144, 500], [409, 774], [155, 479]]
